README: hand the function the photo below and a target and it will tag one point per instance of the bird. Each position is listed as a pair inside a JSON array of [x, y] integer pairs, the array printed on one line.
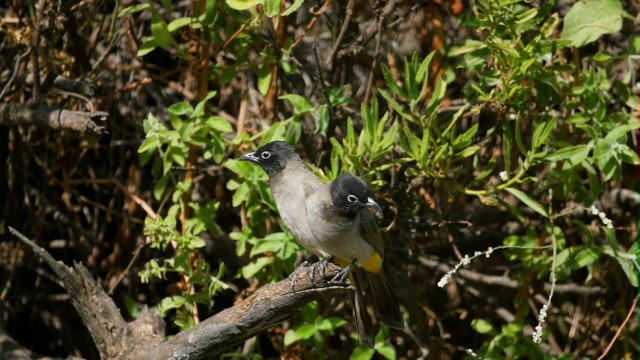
[[334, 223]]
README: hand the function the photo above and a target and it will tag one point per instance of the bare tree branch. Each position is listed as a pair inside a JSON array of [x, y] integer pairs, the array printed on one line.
[[43, 115], [145, 337]]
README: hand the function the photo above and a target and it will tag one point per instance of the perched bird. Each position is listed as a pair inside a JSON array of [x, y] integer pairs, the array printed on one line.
[[333, 222], [344, 228]]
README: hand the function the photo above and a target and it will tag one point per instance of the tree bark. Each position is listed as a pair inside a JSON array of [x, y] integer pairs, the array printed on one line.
[[46, 116], [144, 338]]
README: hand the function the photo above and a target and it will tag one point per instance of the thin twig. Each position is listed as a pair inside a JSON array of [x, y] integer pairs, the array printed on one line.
[[624, 323], [126, 271], [343, 31], [235, 35], [81, 97], [143, 204], [312, 23], [374, 64], [325, 91], [36, 45], [16, 67]]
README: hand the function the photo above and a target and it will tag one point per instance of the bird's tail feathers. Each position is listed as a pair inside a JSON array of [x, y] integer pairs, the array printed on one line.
[[366, 331], [384, 300]]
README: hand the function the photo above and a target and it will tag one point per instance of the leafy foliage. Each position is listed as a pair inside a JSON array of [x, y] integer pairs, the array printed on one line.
[[507, 126]]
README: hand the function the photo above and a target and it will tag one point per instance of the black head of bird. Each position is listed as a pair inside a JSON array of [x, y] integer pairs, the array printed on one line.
[[273, 157], [350, 195]]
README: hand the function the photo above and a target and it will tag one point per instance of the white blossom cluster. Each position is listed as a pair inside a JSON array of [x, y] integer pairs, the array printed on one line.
[[537, 335], [466, 260], [603, 217]]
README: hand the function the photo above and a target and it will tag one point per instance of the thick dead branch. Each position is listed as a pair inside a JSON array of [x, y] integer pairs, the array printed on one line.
[[100, 315], [268, 306], [43, 115], [143, 338]]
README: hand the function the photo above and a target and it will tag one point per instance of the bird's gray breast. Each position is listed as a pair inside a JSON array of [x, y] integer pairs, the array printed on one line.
[[290, 191]]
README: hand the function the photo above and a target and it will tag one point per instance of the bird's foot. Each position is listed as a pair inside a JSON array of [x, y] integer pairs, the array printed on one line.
[[321, 265], [294, 275], [343, 275]]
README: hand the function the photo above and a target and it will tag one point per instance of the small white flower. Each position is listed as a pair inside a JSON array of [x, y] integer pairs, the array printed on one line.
[[477, 253], [503, 175], [603, 217], [489, 251], [445, 279], [537, 335], [543, 313], [471, 352], [465, 260]]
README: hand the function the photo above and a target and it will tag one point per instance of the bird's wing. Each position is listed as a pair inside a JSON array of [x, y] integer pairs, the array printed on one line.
[[370, 231]]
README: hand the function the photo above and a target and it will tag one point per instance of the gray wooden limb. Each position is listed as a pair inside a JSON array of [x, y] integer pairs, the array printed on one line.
[[46, 116], [267, 307], [145, 337]]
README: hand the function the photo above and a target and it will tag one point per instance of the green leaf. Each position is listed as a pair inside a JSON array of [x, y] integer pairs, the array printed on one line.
[[626, 154], [243, 4], [196, 243], [488, 169], [176, 24], [605, 154], [210, 12], [264, 80], [159, 187], [272, 7], [253, 268], [534, 205], [588, 20], [329, 324], [483, 327], [147, 46], [296, 5], [397, 107], [634, 44], [159, 29], [362, 352], [275, 132], [199, 110], [219, 123], [424, 67], [391, 82], [570, 152], [149, 144], [542, 132], [181, 108], [585, 257], [467, 46], [134, 9], [625, 260], [436, 98], [300, 103], [265, 246], [386, 350], [302, 332]]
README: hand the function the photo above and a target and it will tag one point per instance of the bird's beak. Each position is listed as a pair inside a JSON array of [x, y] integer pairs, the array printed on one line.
[[249, 157], [373, 204]]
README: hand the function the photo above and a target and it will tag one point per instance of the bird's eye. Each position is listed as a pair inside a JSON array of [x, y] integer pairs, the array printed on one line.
[[265, 155], [352, 198]]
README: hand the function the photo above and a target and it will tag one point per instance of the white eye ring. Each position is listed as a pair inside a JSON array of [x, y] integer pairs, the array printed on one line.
[[265, 155], [352, 198]]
